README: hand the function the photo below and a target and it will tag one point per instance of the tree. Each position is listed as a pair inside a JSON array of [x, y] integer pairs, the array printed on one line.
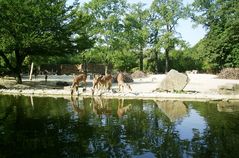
[[165, 15], [220, 45], [39, 28], [136, 30], [106, 26]]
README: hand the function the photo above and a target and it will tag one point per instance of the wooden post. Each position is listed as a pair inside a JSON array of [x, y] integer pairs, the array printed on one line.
[[106, 69], [30, 76]]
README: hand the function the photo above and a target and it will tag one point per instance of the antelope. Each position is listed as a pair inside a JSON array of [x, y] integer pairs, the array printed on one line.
[[76, 82], [79, 67], [96, 81], [103, 82], [121, 83]]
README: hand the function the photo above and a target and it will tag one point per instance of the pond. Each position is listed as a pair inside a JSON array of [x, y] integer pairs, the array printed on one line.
[[96, 127]]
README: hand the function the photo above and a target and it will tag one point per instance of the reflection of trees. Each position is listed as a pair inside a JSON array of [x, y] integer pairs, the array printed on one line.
[[45, 131], [220, 138], [147, 129], [91, 127]]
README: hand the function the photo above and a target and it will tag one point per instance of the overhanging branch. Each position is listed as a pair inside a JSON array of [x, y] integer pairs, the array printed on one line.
[[5, 59]]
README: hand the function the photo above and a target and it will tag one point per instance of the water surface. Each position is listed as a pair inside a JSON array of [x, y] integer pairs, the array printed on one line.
[[96, 127]]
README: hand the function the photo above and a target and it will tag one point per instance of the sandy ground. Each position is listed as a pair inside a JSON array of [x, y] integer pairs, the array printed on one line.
[[200, 87]]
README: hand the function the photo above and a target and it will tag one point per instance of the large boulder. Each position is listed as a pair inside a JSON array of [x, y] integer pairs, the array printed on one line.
[[138, 74], [229, 73], [174, 81], [127, 78]]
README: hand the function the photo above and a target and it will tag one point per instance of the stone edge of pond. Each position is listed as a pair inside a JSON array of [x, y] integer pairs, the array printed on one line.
[[127, 95]]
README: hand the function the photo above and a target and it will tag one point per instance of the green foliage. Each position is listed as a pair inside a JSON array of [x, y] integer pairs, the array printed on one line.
[[137, 31], [116, 31], [124, 60], [106, 28], [220, 46], [165, 15], [127, 36], [39, 28], [185, 60]]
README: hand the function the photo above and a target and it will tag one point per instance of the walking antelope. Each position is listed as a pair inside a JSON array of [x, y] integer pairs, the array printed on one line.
[[121, 83], [76, 82], [102, 82]]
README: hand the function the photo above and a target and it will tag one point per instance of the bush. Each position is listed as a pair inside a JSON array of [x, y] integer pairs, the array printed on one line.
[[229, 73]]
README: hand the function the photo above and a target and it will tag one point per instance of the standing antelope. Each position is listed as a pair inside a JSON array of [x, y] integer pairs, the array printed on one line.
[[102, 82], [121, 83], [76, 82]]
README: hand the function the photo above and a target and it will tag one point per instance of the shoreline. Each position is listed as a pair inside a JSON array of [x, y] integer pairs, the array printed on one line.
[[201, 87], [185, 96]]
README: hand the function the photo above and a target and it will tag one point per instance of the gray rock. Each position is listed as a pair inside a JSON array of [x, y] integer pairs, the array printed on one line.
[[229, 89], [2, 87], [60, 83], [174, 81]]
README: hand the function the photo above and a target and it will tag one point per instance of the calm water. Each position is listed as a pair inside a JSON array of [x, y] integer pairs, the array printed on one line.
[[49, 127]]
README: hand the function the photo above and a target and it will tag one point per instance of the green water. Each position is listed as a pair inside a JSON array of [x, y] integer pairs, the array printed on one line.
[[77, 127]]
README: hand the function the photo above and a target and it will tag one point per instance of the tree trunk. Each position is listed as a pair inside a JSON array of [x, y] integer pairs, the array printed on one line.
[[157, 62], [18, 77], [15, 69], [141, 60], [166, 60], [18, 68]]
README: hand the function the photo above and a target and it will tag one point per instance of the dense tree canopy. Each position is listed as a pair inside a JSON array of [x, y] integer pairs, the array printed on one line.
[[165, 17], [221, 45], [106, 26], [129, 36], [38, 28]]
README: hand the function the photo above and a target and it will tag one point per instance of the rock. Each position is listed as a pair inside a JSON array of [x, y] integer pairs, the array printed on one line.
[[2, 87], [127, 78], [21, 86], [229, 89], [174, 81], [229, 73], [60, 83], [138, 74]]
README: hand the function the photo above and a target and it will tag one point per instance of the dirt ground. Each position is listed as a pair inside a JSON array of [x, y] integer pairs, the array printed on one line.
[[200, 86]]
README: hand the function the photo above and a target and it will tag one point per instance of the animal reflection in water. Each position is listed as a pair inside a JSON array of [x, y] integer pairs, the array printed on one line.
[[121, 108], [104, 107], [101, 106], [174, 110], [77, 106]]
